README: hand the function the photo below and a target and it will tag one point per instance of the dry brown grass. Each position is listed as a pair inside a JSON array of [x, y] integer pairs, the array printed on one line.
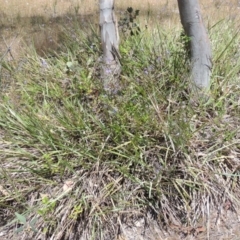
[[164, 12], [214, 9], [38, 7], [31, 18]]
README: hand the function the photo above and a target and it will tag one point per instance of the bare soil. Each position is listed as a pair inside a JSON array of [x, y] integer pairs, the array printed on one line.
[[223, 226]]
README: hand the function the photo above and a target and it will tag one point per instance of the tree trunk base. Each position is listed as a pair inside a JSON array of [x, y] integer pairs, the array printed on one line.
[[110, 74]]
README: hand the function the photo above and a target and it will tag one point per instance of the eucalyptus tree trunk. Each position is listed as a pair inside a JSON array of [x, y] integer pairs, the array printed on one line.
[[201, 55], [110, 66]]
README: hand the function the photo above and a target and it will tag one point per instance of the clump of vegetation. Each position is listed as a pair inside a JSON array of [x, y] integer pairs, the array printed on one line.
[[127, 23], [77, 163]]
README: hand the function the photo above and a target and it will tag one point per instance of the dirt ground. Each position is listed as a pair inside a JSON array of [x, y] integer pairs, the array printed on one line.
[[221, 227]]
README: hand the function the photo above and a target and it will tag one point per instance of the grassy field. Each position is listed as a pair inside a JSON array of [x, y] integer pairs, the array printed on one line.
[[13, 8], [41, 23], [78, 164]]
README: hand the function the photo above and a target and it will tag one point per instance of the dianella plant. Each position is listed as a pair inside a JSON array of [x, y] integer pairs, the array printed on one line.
[[110, 65]]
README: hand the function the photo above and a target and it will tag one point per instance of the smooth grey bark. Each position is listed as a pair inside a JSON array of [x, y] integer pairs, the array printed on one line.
[[110, 66], [201, 54]]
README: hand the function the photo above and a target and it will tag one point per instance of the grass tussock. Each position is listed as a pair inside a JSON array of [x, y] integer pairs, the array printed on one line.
[[78, 164]]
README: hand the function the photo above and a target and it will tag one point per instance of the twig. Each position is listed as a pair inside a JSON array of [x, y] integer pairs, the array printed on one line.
[[8, 48]]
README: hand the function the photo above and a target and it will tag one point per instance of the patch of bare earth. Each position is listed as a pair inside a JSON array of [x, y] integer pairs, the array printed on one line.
[[224, 226], [221, 226]]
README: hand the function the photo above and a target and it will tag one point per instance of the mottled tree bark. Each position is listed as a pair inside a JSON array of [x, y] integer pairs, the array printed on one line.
[[201, 54], [110, 66]]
